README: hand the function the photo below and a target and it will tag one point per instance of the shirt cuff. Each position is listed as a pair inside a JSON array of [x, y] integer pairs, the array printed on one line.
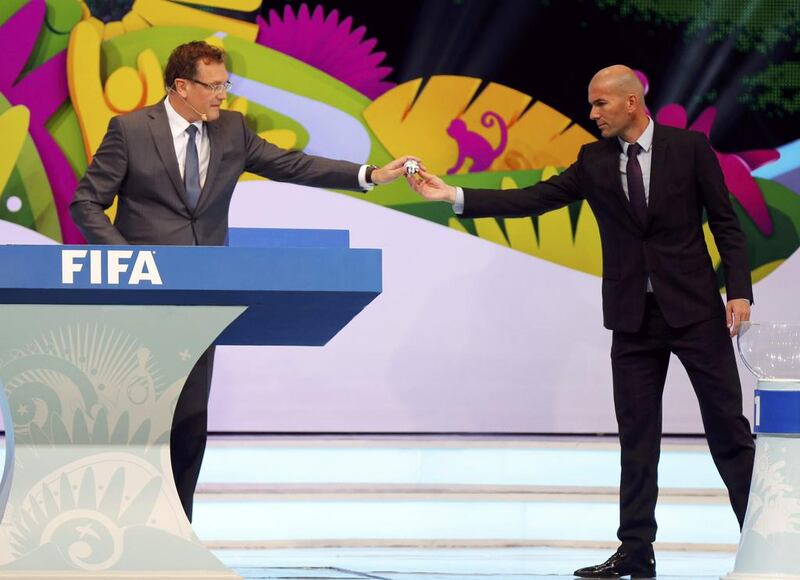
[[458, 205], [362, 179]]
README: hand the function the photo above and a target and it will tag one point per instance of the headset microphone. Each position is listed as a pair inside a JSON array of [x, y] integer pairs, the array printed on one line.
[[203, 116]]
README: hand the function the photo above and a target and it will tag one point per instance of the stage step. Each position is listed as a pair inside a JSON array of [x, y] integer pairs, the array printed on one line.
[[452, 491]]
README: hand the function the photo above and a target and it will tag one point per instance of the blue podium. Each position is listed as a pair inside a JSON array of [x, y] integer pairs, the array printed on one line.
[[95, 345]]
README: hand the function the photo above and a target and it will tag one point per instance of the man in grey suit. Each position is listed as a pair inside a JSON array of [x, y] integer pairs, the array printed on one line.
[[174, 166]]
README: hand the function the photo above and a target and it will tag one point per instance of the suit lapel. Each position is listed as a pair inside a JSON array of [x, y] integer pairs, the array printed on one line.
[[215, 144], [658, 161], [159, 128], [612, 166]]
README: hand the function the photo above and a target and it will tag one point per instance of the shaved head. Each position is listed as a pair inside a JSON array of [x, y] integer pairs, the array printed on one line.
[[621, 79], [617, 98]]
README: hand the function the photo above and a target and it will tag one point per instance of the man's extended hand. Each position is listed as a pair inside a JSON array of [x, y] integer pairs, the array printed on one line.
[[391, 170], [736, 312], [431, 187]]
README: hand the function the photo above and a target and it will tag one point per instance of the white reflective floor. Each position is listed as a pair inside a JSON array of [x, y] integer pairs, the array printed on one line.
[[409, 520], [263, 492], [454, 564], [686, 464], [448, 508]]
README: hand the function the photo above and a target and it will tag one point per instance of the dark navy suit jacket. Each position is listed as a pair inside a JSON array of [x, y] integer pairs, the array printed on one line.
[[670, 249]]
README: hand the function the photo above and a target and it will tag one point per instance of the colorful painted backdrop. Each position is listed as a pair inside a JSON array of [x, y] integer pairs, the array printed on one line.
[[487, 324]]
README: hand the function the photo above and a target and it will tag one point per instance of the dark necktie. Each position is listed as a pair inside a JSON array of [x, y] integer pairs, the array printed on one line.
[[636, 183], [191, 171]]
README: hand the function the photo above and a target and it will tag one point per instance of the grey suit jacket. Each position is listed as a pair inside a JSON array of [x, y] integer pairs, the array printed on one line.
[[136, 160]]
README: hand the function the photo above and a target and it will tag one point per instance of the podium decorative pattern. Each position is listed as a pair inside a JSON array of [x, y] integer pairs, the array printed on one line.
[[91, 392], [80, 362], [84, 513], [772, 524], [774, 505]]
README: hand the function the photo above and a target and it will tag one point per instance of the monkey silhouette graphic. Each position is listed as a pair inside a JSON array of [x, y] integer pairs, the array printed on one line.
[[472, 145]]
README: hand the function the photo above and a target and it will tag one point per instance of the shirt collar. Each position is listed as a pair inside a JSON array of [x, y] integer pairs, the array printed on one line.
[[645, 140], [177, 124]]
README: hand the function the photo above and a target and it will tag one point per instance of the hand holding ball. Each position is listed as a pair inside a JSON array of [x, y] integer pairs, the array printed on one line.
[[412, 168]]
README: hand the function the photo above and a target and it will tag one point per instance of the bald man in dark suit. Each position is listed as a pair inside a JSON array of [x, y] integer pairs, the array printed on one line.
[[648, 185]]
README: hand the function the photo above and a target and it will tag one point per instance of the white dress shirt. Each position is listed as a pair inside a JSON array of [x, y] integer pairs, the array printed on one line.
[[645, 140], [180, 139]]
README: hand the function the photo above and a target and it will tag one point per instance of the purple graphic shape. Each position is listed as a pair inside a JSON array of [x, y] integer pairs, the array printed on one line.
[[18, 38], [328, 45], [472, 145], [790, 180], [42, 91], [755, 158]]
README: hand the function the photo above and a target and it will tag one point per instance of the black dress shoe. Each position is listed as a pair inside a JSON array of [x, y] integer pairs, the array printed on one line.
[[621, 564]]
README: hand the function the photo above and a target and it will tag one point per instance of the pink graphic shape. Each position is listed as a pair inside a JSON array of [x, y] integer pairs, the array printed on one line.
[[645, 84], [736, 167], [327, 44], [643, 79], [42, 91]]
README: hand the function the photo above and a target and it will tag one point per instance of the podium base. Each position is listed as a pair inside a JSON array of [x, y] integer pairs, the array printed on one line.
[[88, 490]]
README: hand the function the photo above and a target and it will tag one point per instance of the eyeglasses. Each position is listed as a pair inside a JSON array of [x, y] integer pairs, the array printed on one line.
[[216, 88]]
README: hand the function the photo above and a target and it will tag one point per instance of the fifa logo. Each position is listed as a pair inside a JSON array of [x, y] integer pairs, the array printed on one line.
[[106, 266]]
